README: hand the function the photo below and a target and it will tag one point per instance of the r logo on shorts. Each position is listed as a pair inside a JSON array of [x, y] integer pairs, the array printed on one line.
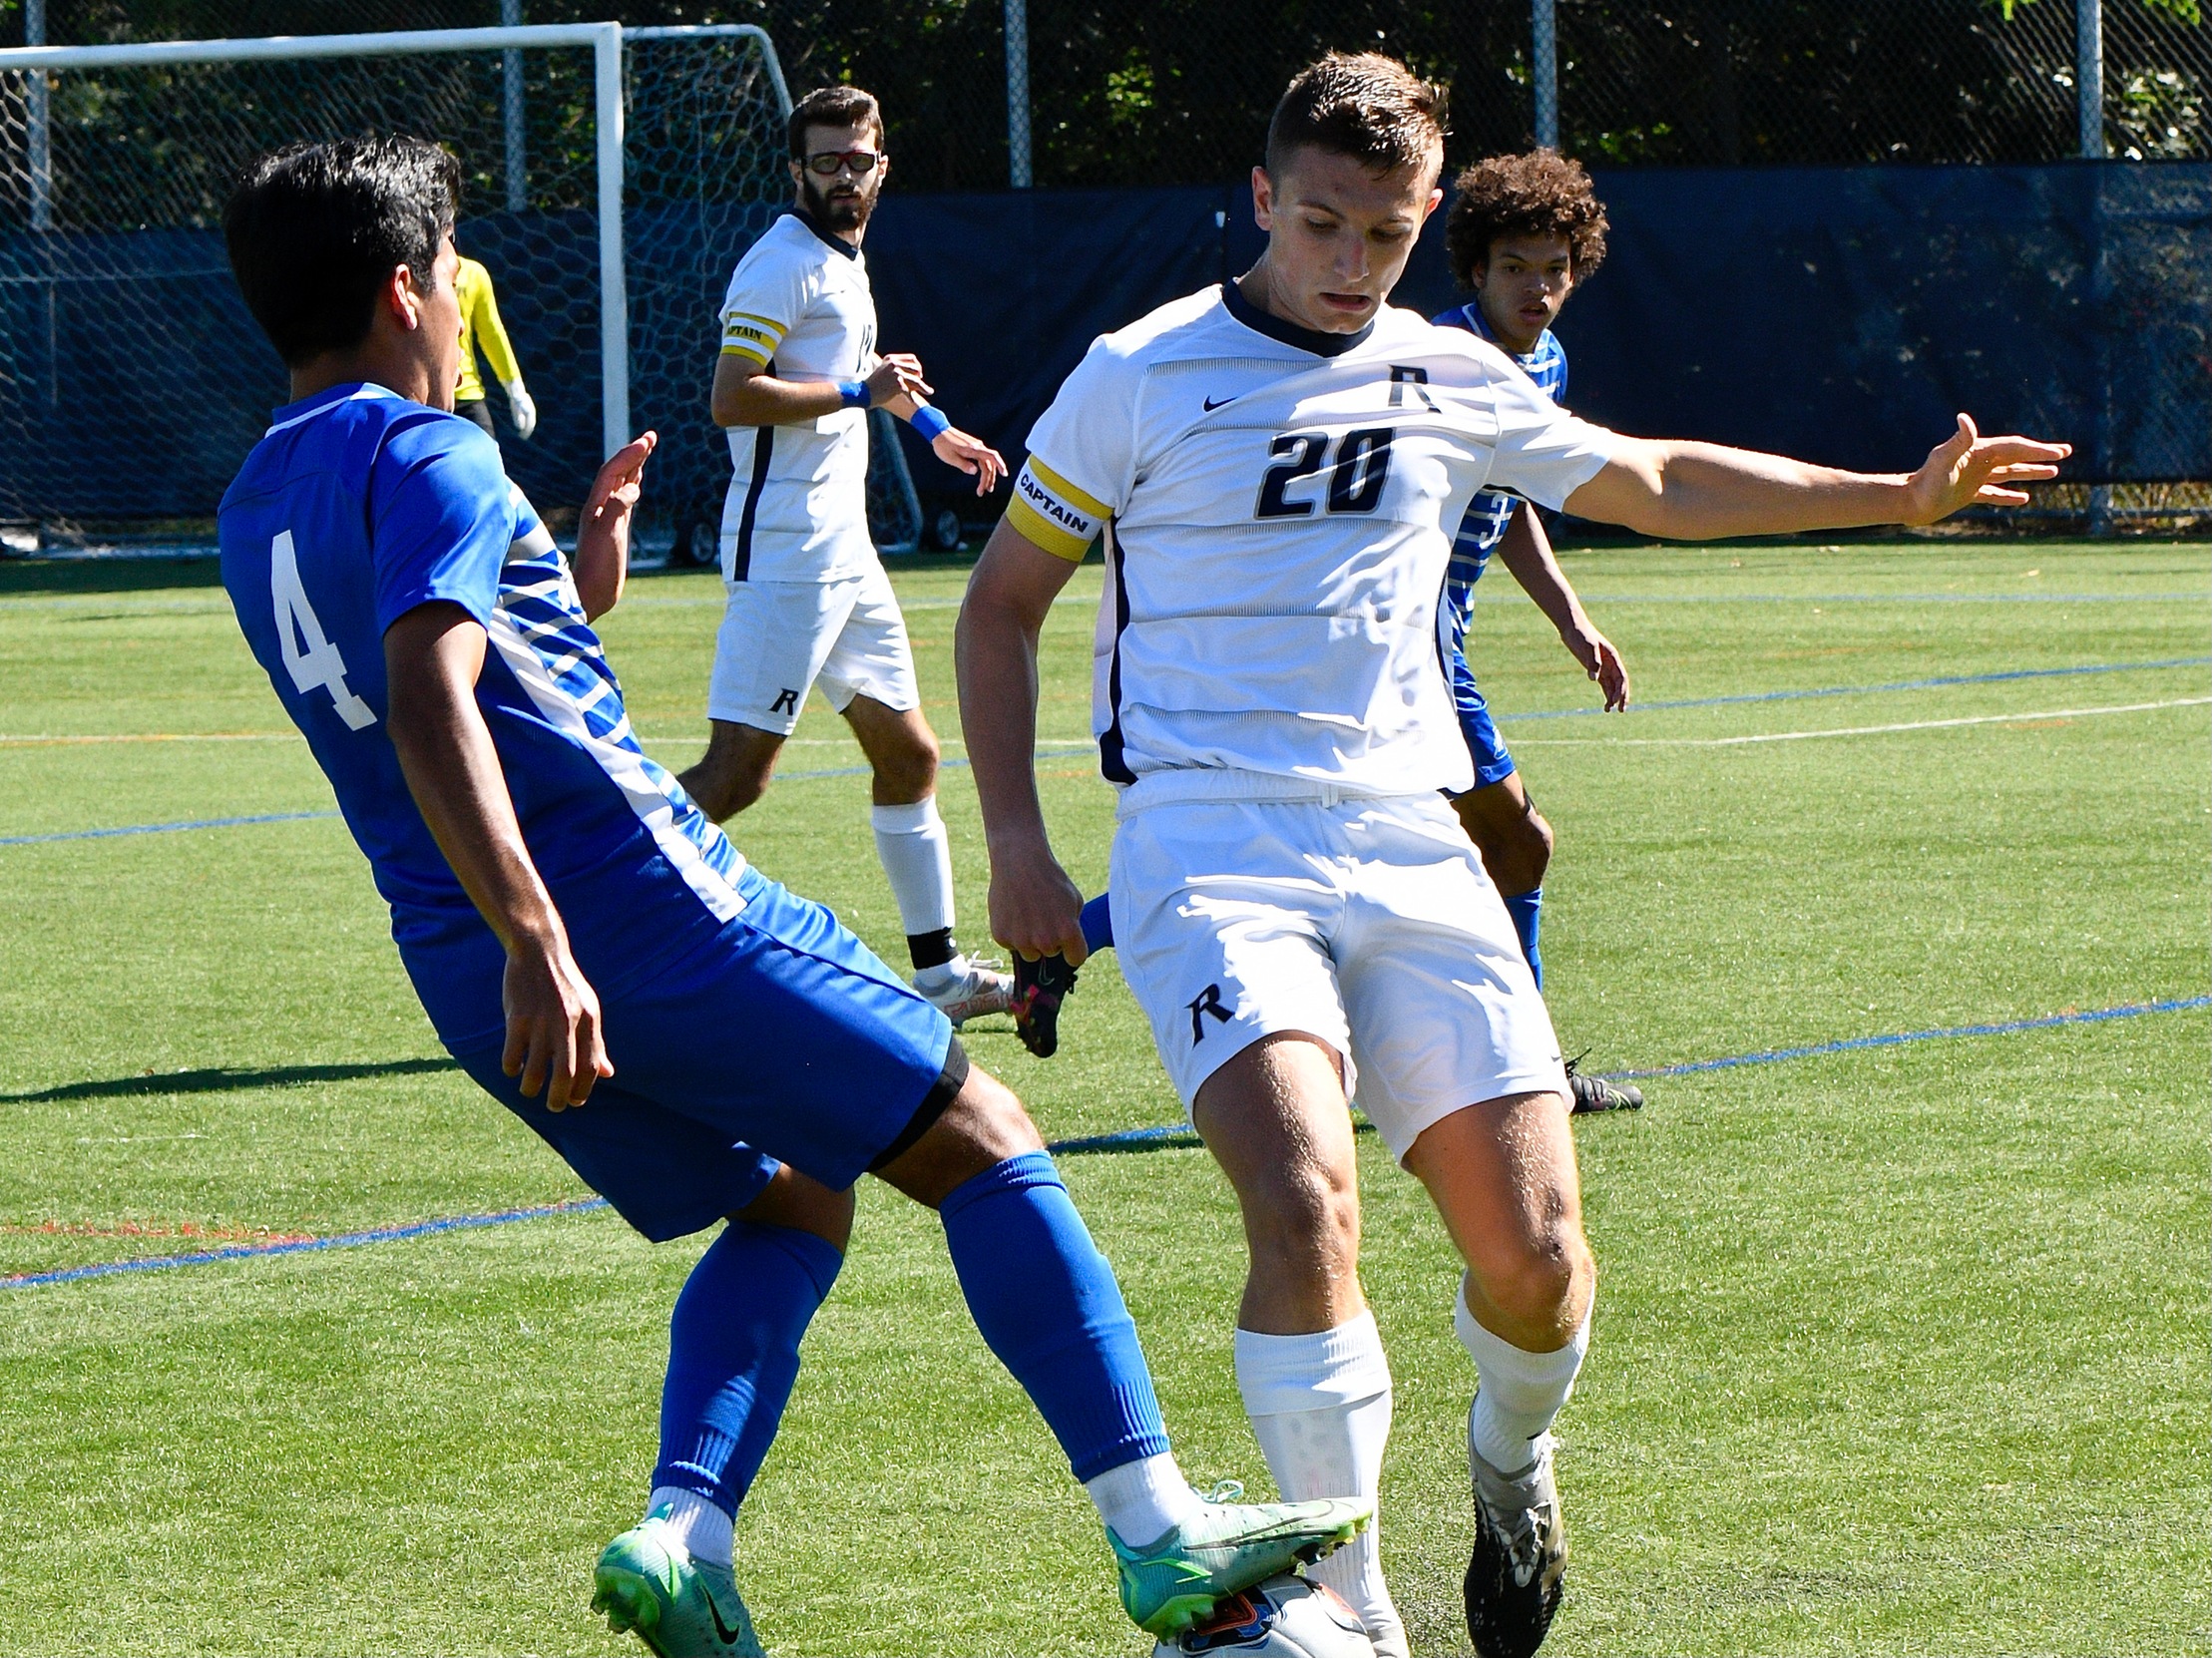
[[1207, 1000], [786, 702]]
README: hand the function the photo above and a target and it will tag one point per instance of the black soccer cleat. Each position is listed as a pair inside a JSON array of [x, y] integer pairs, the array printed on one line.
[[1040, 986], [1594, 1093], [1516, 1576]]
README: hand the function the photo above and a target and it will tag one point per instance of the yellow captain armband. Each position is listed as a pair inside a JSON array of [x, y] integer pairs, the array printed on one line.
[[1052, 513], [752, 337]]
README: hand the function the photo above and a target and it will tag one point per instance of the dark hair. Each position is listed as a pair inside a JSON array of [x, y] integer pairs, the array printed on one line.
[[1366, 105], [1540, 194], [317, 229], [831, 106]]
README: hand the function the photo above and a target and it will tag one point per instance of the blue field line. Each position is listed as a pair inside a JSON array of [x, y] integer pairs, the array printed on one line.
[[1127, 1139], [164, 828], [300, 1246], [1943, 683], [2004, 1027]]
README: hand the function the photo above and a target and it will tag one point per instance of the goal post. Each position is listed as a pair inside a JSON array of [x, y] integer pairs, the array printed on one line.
[[612, 179]]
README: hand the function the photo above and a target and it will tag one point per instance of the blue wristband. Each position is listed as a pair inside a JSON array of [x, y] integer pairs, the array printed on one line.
[[855, 393], [929, 421]]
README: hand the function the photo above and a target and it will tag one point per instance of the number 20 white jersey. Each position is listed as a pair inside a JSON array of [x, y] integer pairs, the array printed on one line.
[[1278, 507]]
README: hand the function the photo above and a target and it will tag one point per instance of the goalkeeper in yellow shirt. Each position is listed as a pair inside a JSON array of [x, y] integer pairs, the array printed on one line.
[[481, 327]]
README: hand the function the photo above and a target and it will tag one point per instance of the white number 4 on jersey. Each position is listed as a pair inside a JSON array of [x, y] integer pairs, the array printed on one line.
[[310, 659]]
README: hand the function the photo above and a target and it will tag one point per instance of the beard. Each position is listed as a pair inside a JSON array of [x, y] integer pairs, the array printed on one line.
[[839, 213]]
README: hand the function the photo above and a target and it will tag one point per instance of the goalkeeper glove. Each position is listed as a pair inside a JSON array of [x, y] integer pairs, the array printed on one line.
[[524, 411]]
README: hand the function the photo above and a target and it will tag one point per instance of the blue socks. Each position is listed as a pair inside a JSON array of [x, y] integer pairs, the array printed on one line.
[[1527, 910], [1097, 925], [733, 1353], [1048, 1307]]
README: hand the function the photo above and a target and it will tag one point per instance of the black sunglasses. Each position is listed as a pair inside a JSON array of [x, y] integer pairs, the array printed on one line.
[[831, 163]]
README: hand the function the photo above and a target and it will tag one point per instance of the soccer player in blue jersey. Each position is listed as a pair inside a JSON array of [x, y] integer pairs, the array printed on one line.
[[595, 954], [1523, 231]]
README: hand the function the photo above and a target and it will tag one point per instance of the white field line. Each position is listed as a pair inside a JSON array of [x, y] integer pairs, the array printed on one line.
[[1856, 730]]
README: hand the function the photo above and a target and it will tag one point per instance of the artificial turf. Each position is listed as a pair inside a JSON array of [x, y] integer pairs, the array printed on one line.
[[1896, 1349]]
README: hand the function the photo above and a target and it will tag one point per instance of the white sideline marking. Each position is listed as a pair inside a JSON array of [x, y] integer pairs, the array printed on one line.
[[1855, 730]]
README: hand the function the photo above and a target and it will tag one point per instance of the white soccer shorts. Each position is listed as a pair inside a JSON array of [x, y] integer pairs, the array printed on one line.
[[1368, 923], [780, 637]]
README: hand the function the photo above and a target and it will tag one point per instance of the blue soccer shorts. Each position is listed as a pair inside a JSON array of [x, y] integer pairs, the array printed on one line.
[[1492, 763], [781, 1040]]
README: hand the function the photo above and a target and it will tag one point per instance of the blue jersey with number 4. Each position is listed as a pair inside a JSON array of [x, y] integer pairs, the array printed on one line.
[[356, 507], [1489, 513]]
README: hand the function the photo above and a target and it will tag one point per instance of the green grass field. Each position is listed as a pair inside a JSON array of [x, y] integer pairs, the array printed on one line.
[[1899, 1349]]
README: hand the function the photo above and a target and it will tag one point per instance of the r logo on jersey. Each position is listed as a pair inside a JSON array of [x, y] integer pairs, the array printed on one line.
[[1207, 1000], [1403, 375], [786, 702]]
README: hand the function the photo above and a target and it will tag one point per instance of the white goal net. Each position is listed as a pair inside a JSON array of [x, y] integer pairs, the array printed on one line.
[[613, 178]]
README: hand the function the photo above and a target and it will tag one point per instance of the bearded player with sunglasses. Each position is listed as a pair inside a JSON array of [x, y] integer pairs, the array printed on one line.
[[808, 600]]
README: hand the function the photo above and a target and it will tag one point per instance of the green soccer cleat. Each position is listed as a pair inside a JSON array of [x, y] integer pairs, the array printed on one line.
[[1173, 1582], [648, 1581]]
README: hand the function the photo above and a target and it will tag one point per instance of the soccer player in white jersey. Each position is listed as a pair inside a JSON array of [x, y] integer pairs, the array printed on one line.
[[1278, 464], [808, 600]]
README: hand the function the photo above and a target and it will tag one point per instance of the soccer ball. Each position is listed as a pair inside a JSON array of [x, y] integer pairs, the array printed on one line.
[[1284, 1617]]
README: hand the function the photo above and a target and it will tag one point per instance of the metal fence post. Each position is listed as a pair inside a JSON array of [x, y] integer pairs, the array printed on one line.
[[39, 120], [517, 173], [1018, 93], [1544, 69], [2088, 82], [614, 290], [2088, 76]]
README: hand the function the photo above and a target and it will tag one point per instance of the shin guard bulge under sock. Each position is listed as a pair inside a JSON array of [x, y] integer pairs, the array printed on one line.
[[1320, 1406], [1520, 1393], [1047, 1305], [733, 1353], [916, 856]]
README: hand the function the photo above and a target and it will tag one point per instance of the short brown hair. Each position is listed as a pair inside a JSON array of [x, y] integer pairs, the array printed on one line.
[[1366, 105], [833, 107], [1540, 194]]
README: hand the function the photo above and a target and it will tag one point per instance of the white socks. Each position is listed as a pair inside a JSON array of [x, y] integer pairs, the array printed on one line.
[[1320, 1408], [707, 1531], [1144, 1500], [1521, 1392], [918, 857]]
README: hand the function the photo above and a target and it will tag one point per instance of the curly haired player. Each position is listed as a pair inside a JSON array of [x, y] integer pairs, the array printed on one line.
[[1523, 231]]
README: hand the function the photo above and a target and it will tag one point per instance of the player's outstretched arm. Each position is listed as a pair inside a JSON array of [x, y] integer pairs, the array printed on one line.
[[1701, 491], [1035, 910], [1526, 552], [603, 528], [433, 656]]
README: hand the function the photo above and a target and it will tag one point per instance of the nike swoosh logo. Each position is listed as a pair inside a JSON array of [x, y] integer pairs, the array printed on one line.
[[1211, 405], [728, 1635]]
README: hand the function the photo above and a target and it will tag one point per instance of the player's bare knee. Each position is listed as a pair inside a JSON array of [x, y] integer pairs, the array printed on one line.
[[1538, 839], [1304, 1218], [806, 1205], [1543, 1283], [908, 774], [983, 1127], [723, 788]]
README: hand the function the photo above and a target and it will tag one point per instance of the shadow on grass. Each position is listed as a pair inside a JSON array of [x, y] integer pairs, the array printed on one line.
[[23, 575], [223, 1080]]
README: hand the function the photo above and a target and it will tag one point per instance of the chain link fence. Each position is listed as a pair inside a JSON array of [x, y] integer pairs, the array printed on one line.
[[1169, 92], [1124, 93]]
